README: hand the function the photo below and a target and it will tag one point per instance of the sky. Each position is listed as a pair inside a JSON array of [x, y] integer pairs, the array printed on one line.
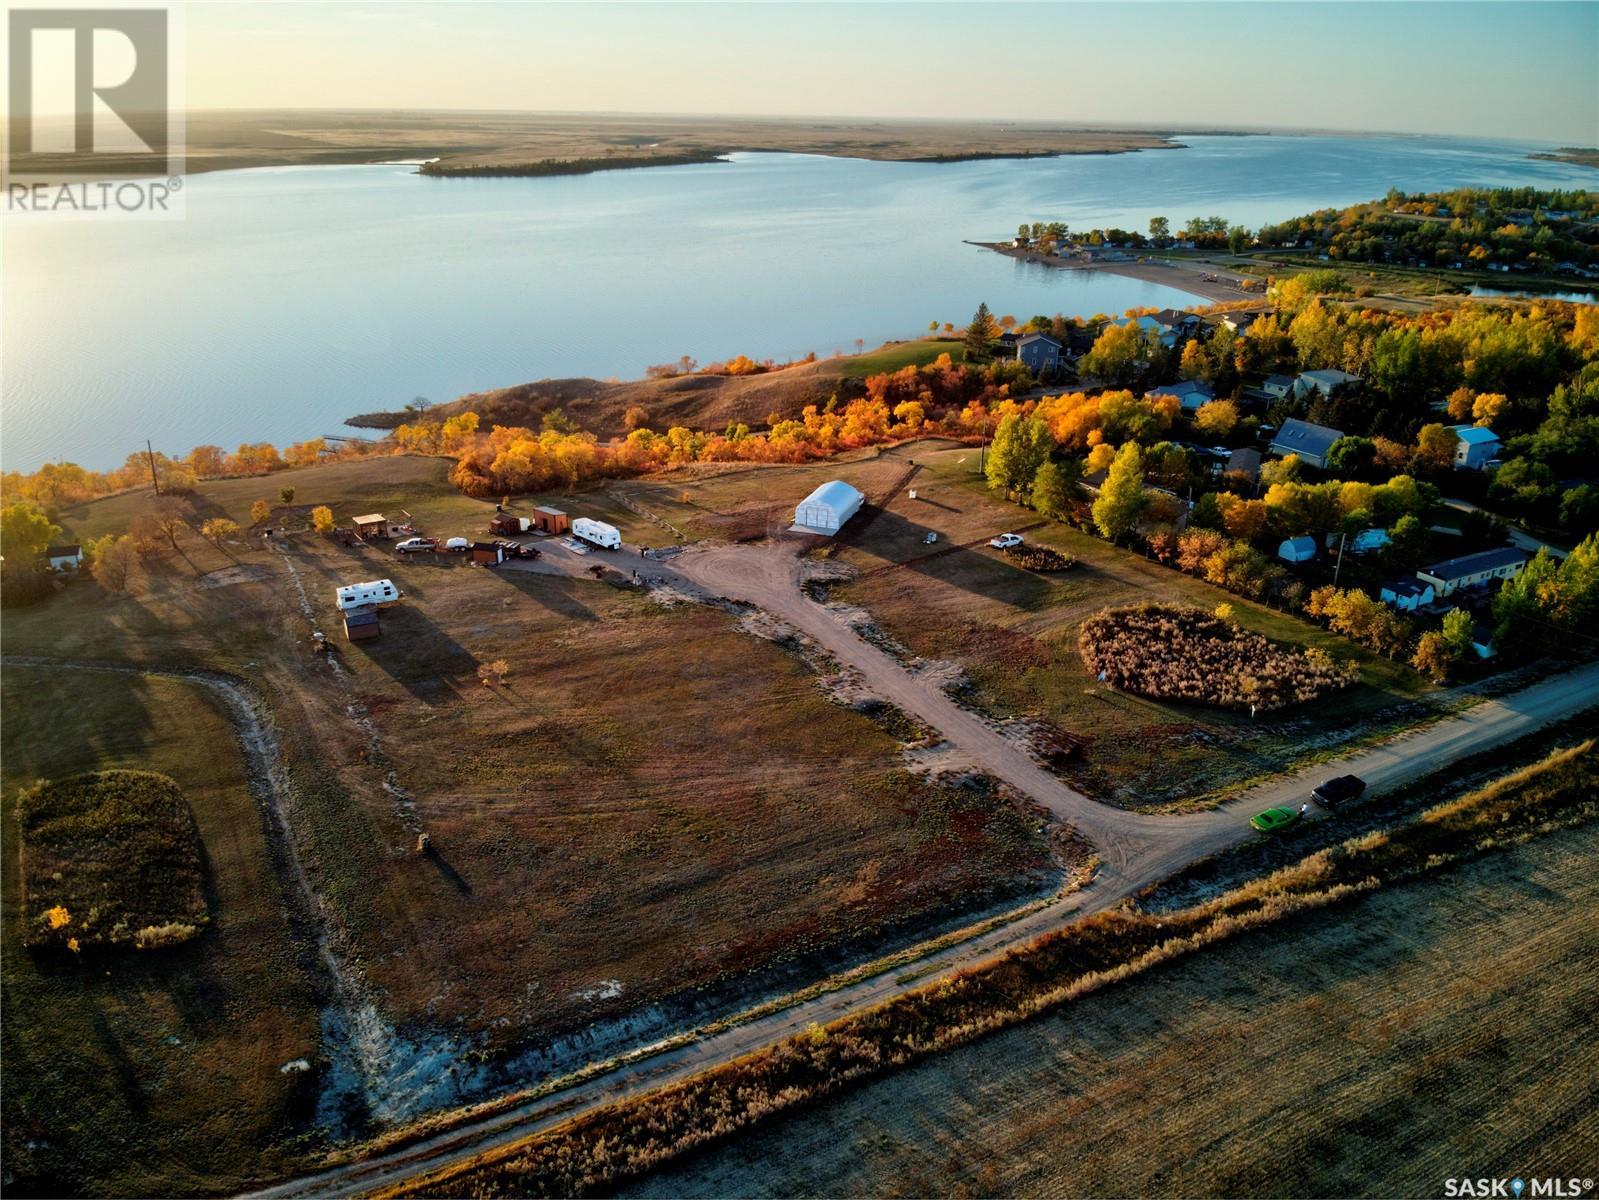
[[1525, 70]]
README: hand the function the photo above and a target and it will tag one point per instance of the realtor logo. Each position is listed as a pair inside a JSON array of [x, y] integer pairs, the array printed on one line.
[[91, 93]]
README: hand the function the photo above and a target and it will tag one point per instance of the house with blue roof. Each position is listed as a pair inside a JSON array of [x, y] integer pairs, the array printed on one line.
[[1476, 448]]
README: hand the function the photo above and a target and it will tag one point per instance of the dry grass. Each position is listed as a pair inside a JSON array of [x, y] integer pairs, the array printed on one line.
[[1174, 653], [1442, 1028], [136, 1073], [593, 1152]]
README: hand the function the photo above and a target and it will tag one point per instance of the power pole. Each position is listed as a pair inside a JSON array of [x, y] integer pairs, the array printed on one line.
[[149, 453], [1340, 564]]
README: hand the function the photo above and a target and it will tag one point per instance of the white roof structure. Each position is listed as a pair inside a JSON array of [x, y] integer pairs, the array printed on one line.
[[1476, 435], [826, 509]]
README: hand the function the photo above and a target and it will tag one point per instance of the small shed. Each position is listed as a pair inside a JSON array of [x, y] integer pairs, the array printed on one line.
[[361, 624], [375, 525], [488, 553], [504, 523], [1407, 595], [64, 558], [826, 509], [1297, 549], [551, 520]]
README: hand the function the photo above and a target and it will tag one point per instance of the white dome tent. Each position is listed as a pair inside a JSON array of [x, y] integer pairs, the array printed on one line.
[[826, 509]]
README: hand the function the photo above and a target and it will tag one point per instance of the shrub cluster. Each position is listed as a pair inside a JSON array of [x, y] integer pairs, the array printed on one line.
[[110, 858], [1175, 653], [1039, 558]]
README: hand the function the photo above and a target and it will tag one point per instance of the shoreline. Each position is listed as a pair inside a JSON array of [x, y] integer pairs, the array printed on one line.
[[1184, 276]]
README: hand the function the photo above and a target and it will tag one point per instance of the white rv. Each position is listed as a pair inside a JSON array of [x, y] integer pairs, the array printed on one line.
[[597, 533], [379, 593]]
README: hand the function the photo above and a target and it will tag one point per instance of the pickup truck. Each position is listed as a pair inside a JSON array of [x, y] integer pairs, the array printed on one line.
[[416, 545]]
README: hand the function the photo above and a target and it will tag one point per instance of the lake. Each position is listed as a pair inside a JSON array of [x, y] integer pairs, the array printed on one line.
[[291, 298]]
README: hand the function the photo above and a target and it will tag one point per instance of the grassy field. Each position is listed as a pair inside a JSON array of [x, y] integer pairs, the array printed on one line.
[[1440, 1029], [149, 1073], [653, 800], [1015, 634], [902, 354]]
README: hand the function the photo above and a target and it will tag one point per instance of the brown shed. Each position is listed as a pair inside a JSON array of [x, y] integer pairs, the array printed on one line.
[[504, 523], [375, 525], [489, 553], [551, 520], [361, 624]]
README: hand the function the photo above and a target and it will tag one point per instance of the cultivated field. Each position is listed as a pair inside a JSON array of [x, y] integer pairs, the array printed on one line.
[[155, 1073], [1439, 1029], [1014, 633]]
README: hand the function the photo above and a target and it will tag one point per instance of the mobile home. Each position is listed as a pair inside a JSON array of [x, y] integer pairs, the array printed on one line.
[[597, 533], [378, 592]]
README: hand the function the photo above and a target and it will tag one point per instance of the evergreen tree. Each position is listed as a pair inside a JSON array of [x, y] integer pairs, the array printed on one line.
[[981, 331]]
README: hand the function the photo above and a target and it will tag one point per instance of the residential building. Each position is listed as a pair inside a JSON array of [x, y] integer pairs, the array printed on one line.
[[1324, 382], [64, 558], [1309, 441], [1192, 394], [1278, 387], [1170, 326], [1244, 462], [1407, 595], [1474, 570], [1039, 352], [1476, 448]]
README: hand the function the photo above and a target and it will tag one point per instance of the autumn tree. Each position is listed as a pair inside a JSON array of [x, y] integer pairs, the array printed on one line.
[[260, 512], [1020, 446], [1052, 490], [219, 531], [1116, 353], [111, 561], [322, 519], [1435, 447], [1159, 230], [1121, 498], [1216, 418], [286, 495], [637, 417], [25, 532], [171, 515]]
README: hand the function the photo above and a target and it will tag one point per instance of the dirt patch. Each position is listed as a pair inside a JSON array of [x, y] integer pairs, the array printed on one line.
[[236, 574]]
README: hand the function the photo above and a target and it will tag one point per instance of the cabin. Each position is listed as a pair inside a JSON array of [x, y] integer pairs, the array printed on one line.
[[1476, 448], [551, 520], [1038, 352], [375, 525], [64, 558], [826, 509], [1474, 570], [1407, 595], [1297, 549], [1309, 441], [1192, 394], [489, 554], [361, 624]]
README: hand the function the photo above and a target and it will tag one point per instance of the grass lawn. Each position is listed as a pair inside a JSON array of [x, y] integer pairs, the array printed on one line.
[[902, 354], [1375, 1049], [1015, 633], [149, 1073]]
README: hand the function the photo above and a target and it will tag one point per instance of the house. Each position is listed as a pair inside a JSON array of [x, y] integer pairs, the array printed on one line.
[[1170, 326], [1008, 340], [1278, 387], [1476, 448], [64, 558], [1407, 595], [1297, 549], [1310, 442], [376, 525], [488, 553], [1324, 382], [1079, 341], [826, 509], [551, 520], [1482, 640], [1192, 394], [1039, 352], [1244, 462], [1474, 570], [1367, 541], [361, 624]]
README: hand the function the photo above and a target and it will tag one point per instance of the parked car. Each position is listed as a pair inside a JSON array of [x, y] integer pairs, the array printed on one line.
[[1005, 541], [1274, 819], [1335, 791], [458, 545], [930, 538], [416, 545]]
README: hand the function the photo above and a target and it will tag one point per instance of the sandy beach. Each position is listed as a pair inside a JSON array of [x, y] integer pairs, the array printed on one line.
[[1221, 287]]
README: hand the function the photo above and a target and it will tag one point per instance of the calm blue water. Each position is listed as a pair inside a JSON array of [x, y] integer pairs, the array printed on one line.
[[293, 297]]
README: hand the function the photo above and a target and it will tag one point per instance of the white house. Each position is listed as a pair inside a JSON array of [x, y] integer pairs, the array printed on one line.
[[1297, 549], [826, 509], [64, 558], [1278, 387], [1323, 381], [1476, 447], [1474, 570], [1407, 595]]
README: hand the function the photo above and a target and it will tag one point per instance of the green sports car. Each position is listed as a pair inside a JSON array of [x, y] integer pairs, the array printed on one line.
[[1274, 819]]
